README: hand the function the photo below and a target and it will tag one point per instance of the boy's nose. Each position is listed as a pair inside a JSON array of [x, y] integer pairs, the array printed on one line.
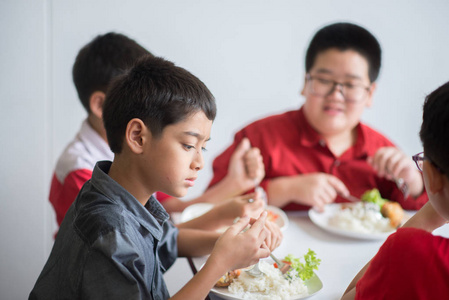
[[198, 161], [337, 91]]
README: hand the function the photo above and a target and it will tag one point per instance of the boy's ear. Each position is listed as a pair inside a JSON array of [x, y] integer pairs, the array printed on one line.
[[303, 91], [371, 91], [136, 135], [96, 101], [433, 178]]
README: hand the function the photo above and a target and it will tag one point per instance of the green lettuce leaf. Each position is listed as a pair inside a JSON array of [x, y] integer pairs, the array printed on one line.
[[304, 269]]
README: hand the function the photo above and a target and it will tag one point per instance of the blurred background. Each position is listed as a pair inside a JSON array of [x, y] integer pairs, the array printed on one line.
[[249, 53]]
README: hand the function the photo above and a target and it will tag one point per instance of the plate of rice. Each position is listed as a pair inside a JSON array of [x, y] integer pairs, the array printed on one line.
[[272, 286], [356, 220]]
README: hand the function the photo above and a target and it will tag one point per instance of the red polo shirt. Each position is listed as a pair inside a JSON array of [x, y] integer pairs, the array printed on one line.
[[411, 264], [290, 146]]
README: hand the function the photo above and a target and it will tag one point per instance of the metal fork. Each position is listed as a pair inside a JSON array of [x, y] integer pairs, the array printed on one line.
[[255, 271], [283, 267], [400, 183]]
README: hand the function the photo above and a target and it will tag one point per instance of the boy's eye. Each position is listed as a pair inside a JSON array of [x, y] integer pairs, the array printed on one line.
[[188, 147], [349, 85], [203, 149], [324, 81]]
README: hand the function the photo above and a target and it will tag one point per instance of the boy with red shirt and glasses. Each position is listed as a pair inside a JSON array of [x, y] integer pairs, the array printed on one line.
[[413, 263], [321, 153]]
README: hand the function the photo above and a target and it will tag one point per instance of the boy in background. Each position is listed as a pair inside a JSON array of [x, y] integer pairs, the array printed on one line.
[[96, 64], [413, 263], [322, 152], [116, 241]]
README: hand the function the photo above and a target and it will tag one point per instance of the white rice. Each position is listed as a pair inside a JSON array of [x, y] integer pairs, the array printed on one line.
[[361, 217], [272, 286]]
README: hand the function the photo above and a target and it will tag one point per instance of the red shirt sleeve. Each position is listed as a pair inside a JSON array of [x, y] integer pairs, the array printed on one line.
[[62, 195]]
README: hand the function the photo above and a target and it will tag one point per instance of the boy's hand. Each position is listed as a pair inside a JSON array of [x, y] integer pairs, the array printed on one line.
[[250, 205], [246, 166], [317, 189], [275, 235], [392, 163], [236, 249]]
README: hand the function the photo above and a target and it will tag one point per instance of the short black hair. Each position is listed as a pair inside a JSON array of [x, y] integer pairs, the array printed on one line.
[[434, 128], [98, 62], [346, 36], [156, 92]]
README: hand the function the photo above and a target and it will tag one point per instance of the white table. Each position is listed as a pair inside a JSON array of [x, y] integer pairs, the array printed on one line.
[[341, 257]]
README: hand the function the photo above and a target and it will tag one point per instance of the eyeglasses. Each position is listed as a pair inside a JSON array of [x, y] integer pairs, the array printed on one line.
[[322, 87], [419, 160]]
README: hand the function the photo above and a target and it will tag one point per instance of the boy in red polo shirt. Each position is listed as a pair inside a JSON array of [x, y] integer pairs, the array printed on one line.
[[321, 152], [413, 263]]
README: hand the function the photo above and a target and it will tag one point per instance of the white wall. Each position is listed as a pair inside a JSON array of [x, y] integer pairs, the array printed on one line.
[[249, 53]]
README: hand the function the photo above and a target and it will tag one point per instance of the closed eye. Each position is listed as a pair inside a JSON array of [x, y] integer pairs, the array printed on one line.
[[188, 147]]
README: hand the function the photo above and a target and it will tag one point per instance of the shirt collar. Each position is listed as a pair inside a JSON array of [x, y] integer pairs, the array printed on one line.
[[94, 143], [309, 137], [151, 216]]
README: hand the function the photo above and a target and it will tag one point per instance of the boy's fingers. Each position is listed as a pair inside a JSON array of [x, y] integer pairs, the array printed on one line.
[[242, 147], [259, 224], [239, 225], [339, 186]]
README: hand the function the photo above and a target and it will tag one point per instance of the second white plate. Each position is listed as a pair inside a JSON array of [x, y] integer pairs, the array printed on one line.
[[321, 219]]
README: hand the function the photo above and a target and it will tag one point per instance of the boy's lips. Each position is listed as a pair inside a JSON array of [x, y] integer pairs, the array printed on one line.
[[333, 110], [191, 181]]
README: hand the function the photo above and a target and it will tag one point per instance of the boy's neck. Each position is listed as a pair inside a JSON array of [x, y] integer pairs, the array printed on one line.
[[339, 143], [97, 125], [124, 173]]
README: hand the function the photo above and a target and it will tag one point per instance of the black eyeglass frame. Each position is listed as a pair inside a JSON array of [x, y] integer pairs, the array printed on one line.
[[309, 78]]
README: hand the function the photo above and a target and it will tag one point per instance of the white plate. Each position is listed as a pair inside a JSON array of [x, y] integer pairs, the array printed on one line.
[[322, 220], [314, 285], [196, 210]]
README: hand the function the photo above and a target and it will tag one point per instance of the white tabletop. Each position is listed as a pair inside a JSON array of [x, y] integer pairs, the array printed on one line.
[[341, 257]]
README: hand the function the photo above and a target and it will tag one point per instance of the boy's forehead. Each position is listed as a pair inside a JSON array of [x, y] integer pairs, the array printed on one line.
[[347, 63], [195, 125]]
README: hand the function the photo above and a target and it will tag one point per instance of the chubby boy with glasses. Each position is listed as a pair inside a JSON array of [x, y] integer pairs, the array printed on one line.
[[322, 153], [413, 263]]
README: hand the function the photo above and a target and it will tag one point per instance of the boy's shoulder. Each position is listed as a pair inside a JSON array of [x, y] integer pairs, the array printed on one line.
[[94, 215], [416, 242]]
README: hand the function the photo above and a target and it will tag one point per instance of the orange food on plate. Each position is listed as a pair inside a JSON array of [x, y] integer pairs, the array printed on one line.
[[227, 279], [271, 216]]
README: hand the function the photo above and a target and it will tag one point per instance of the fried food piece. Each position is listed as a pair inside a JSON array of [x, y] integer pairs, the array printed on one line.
[[394, 212], [227, 279], [389, 209]]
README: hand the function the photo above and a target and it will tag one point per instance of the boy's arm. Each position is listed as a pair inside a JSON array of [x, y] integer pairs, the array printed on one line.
[[224, 213], [193, 242]]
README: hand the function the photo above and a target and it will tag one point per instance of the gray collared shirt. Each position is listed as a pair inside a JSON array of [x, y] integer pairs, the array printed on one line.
[[109, 246]]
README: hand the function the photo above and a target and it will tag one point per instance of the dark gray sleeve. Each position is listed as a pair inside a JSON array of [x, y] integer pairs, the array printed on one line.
[[114, 270], [168, 246]]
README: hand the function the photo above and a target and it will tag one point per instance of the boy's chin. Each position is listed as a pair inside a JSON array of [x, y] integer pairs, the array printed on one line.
[[178, 193]]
